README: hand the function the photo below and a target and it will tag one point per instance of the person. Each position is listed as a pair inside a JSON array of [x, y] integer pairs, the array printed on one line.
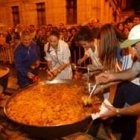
[[108, 54], [120, 59], [40, 39], [86, 39], [109, 50], [129, 94], [112, 57], [58, 57], [1, 88], [74, 48], [26, 58]]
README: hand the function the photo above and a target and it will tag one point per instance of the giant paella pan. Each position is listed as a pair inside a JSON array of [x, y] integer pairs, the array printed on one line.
[[51, 109], [4, 73]]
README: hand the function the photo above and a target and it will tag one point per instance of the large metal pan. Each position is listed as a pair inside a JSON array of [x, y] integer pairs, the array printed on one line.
[[4, 74], [52, 132]]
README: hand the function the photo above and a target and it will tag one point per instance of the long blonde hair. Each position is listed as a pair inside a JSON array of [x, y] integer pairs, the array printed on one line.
[[108, 46]]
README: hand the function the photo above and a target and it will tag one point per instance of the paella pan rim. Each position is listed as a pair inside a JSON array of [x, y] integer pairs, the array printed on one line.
[[50, 126], [46, 82]]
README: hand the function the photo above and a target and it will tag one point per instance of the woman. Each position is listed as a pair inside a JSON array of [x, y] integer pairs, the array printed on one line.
[[26, 57], [109, 45], [58, 57]]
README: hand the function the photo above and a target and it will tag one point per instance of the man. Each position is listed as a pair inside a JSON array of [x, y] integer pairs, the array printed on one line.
[[127, 92], [26, 58]]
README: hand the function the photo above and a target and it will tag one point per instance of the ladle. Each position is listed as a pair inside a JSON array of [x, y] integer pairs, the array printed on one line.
[[74, 66], [89, 68]]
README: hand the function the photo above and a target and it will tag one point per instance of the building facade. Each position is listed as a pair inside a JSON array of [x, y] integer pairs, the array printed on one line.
[[69, 12]]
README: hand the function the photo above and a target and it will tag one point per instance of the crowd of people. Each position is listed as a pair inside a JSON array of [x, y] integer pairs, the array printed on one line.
[[11, 37], [113, 48]]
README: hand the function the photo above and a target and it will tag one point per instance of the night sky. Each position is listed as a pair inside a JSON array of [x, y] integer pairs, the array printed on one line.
[[136, 5]]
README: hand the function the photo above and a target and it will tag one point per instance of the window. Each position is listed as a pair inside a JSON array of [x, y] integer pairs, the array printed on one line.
[[41, 18], [115, 16], [15, 13], [71, 11]]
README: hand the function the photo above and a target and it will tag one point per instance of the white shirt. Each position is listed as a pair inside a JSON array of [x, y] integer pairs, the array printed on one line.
[[58, 57], [95, 60], [127, 62], [136, 66]]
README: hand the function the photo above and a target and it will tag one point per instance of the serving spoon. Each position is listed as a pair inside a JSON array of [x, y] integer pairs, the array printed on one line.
[[88, 100], [75, 67]]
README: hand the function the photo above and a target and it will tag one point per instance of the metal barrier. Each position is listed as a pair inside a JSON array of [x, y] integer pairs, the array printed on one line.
[[7, 53]]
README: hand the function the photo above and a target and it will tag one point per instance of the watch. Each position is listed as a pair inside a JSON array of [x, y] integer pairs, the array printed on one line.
[[118, 112]]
